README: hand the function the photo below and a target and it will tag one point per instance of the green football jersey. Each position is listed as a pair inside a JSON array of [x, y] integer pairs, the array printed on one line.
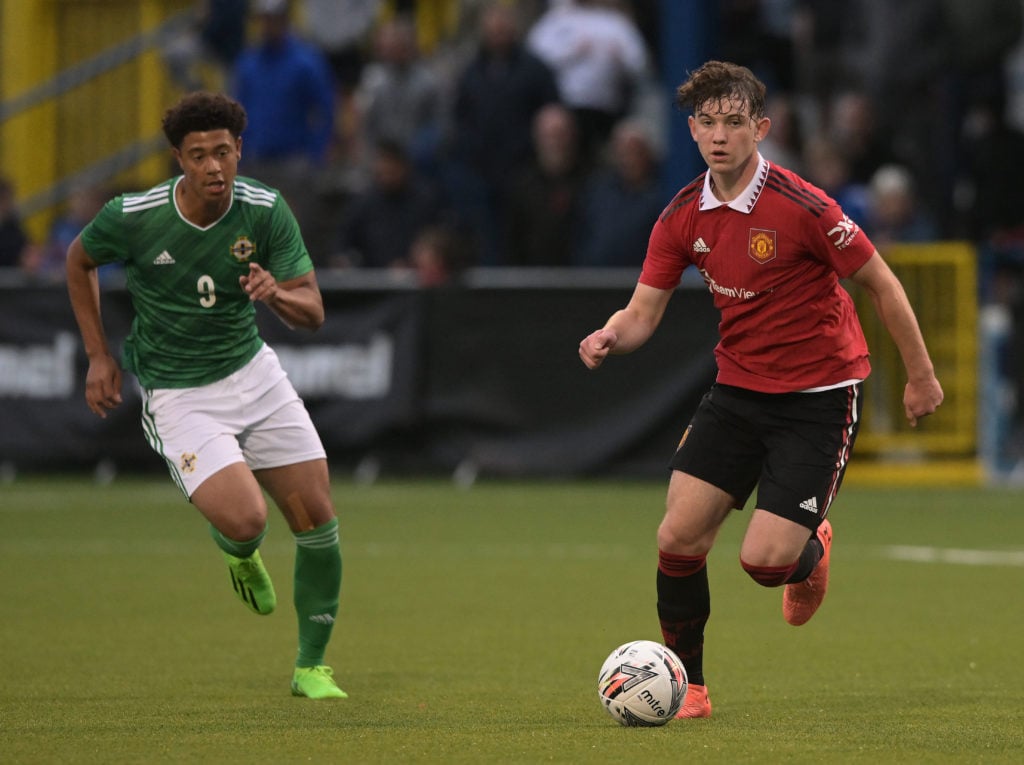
[[194, 324]]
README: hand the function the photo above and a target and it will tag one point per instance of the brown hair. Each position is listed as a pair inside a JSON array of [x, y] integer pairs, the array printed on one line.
[[721, 81], [202, 111]]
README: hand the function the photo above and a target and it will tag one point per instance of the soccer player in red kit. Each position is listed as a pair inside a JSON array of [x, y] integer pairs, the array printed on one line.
[[785, 407]]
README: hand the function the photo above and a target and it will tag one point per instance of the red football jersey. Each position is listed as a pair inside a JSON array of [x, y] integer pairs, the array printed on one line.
[[772, 258]]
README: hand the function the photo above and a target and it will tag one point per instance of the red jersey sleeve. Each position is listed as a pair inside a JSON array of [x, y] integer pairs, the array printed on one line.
[[666, 258], [668, 254], [838, 241]]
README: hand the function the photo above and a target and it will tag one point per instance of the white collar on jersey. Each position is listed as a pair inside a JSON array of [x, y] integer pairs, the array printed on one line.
[[745, 202]]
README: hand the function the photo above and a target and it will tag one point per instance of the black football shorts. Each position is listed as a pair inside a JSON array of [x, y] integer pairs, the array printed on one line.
[[794, 447]]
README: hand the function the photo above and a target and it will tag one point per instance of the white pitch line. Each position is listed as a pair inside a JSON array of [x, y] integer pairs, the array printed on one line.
[[953, 555]]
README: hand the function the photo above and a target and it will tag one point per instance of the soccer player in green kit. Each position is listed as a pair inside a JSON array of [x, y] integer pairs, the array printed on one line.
[[198, 251]]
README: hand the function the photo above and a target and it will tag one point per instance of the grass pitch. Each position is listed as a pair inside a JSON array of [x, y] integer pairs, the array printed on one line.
[[473, 624]]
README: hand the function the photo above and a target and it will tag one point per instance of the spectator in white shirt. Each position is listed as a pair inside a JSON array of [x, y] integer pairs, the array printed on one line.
[[599, 58]]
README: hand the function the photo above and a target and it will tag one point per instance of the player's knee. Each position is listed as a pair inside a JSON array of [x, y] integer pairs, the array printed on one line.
[[243, 527], [666, 539], [674, 540], [768, 576]]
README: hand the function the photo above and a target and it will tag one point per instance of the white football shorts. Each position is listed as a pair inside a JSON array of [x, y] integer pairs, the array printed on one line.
[[253, 415]]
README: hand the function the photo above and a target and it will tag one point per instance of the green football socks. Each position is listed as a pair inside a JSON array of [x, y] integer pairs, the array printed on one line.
[[234, 547], [317, 589]]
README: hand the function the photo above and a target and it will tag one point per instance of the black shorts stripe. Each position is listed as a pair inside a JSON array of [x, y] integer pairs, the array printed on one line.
[[846, 447]]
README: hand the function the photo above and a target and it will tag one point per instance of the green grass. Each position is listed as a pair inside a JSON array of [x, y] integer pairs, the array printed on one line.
[[473, 625]]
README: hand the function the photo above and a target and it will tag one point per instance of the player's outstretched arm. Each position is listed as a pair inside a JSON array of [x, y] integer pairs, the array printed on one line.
[[297, 302], [923, 394], [103, 380], [627, 329]]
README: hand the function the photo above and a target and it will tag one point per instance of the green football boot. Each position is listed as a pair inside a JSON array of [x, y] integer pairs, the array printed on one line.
[[316, 683], [252, 583]]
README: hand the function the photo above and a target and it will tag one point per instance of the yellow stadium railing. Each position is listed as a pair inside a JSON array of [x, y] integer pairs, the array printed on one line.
[[941, 283], [82, 91]]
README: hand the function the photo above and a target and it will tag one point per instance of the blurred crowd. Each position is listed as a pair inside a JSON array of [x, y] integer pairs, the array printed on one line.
[[433, 135]]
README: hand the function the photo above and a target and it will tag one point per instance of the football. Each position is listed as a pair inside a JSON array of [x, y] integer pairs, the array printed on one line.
[[642, 684]]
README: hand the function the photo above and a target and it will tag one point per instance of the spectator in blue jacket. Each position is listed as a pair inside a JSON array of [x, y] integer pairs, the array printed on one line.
[[286, 87]]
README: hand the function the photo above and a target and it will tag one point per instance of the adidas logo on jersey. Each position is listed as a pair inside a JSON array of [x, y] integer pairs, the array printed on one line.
[[810, 505], [700, 246], [163, 259]]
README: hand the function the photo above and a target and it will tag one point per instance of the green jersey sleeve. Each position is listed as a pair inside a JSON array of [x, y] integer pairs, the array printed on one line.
[[288, 257], [104, 238]]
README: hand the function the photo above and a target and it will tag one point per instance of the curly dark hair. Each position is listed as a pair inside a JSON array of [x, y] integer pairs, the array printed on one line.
[[721, 81], [202, 111]]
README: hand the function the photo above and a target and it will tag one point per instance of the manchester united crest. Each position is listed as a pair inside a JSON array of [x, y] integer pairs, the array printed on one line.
[[762, 245], [243, 249]]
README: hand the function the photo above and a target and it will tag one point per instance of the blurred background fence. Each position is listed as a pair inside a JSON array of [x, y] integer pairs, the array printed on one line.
[[484, 379]]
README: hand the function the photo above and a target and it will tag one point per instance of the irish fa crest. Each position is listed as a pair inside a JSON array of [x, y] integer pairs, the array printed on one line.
[[188, 462], [762, 245], [243, 249]]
